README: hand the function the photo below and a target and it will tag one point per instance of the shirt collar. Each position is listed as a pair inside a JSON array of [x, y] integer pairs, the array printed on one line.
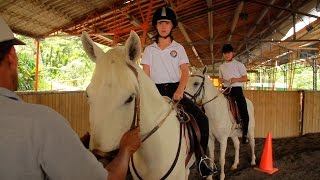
[[232, 60], [173, 44], [9, 94]]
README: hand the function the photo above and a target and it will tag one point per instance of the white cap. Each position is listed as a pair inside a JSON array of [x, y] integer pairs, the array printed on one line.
[[6, 34]]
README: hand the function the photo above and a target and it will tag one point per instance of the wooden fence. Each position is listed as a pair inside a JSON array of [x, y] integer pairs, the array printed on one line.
[[283, 113], [72, 105]]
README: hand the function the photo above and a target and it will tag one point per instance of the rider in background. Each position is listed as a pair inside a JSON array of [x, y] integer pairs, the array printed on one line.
[[166, 63], [233, 73]]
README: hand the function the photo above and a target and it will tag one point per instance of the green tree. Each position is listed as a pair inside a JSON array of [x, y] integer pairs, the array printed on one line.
[[62, 61], [26, 66]]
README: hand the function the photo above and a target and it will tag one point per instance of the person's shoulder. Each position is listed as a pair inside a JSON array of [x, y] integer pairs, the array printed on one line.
[[223, 63], [236, 61], [38, 111], [176, 44]]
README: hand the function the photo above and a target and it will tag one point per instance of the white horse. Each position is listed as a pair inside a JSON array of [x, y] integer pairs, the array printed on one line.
[[121, 95], [221, 121]]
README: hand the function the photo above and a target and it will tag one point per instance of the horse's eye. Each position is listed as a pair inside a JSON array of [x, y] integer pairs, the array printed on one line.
[[129, 99], [196, 84]]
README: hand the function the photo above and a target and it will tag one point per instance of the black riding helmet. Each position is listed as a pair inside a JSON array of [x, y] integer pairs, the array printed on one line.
[[164, 13], [227, 48]]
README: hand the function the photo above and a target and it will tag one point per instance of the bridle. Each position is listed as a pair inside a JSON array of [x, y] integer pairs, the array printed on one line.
[[198, 92], [136, 116], [135, 123]]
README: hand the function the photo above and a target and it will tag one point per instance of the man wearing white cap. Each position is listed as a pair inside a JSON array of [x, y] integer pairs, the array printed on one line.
[[38, 143]]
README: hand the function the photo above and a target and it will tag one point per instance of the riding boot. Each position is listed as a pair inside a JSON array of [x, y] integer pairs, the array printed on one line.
[[237, 93], [201, 119], [245, 139]]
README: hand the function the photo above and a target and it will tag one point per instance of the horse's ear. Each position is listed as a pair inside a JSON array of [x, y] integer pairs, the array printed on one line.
[[204, 70], [91, 49], [133, 47]]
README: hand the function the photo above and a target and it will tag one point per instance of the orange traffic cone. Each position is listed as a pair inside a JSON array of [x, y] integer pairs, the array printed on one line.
[[266, 163]]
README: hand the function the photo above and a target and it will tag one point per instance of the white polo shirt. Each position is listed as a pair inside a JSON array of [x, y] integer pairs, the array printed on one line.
[[232, 69], [37, 143], [165, 64]]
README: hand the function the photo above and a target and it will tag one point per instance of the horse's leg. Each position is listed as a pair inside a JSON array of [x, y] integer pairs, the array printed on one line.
[[211, 147], [187, 173], [252, 145], [223, 148], [236, 145]]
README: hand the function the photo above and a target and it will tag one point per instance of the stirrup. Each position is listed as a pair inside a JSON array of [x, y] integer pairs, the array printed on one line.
[[205, 169]]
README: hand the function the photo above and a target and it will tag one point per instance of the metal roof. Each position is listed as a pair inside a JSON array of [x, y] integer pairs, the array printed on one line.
[[253, 27]]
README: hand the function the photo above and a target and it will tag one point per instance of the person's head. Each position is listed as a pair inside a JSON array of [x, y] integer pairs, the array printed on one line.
[[227, 51], [164, 20], [8, 57]]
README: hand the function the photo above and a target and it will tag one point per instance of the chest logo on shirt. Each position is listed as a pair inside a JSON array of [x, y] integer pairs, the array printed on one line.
[[173, 53]]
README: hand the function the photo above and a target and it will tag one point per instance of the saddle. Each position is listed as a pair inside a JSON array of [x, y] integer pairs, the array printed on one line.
[[193, 131], [233, 108]]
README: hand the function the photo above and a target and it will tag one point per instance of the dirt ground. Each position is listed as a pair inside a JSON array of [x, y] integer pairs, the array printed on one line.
[[296, 158]]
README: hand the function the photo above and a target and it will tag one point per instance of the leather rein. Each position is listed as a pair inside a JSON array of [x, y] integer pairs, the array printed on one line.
[[198, 92], [136, 123]]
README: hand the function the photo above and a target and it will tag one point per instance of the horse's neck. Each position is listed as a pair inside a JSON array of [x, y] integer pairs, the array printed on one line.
[[212, 93], [157, 153], [153, 107]]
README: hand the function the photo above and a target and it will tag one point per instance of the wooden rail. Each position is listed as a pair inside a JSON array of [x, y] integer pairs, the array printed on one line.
[[278, 112]]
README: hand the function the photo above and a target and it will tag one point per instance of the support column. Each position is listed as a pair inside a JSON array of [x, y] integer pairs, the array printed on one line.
[[261, 77], [37, 65], [314, 68], [285, 77]]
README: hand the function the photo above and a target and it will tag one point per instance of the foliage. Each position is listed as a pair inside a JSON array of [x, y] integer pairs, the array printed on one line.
[[302, 76], [65, 62], [62, 64], [27, 65]]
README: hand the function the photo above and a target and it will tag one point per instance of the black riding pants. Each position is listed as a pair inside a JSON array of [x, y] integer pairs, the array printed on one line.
[[237, 93], [169, 89]]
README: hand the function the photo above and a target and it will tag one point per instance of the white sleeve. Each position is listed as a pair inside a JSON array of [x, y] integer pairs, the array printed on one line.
[[147, 56], [220, 72], [183, 58], [242, 69]]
